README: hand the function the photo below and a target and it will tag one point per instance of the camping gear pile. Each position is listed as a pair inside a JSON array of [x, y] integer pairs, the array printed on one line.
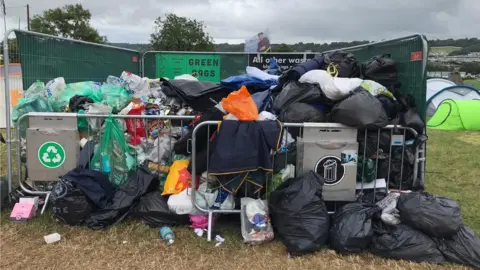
[[141, 169]]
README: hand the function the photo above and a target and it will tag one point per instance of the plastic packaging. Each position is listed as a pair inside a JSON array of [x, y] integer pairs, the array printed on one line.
[[178, 178], [167, 235], [61, 99], [241, 104], [36, 89], [55, 87], [52, 238], [256, 224], [97, 108], [115, 96], [136, 85], [112, 156]]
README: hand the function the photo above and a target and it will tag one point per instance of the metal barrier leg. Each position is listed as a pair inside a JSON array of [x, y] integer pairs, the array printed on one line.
[[47, 198], [209, 229]]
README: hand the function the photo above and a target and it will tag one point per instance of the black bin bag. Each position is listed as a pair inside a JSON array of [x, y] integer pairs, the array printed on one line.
[[345, 63], [435, 216], [153, 210], [299, 214], [402, 242], [462, 248], [69, 203], [294, 92], [352, 230], [382, 69], [360, 110]]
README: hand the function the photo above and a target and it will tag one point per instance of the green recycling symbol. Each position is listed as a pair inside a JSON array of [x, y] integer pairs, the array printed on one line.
[[51, 155]]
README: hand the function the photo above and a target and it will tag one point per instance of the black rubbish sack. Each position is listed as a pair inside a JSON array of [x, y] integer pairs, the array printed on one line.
[[69, 204], [345, 63], [462, 248], [295, 91], [360, 110], [302, 113], [77, 103], [300, 215], [382, 69], [402, 242], [153, 210], [123, 200], [435, 216], [352, 230]]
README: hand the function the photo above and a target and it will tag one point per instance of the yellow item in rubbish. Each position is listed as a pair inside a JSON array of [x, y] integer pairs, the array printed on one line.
[[171, 184]]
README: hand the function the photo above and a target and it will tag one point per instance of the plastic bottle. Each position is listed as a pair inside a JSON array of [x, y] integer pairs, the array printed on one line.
[[167, 235], [158, 167], [184, 131], [106, 163]]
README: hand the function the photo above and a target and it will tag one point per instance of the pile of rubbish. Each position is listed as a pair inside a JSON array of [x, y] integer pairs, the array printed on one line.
[[141, 168]]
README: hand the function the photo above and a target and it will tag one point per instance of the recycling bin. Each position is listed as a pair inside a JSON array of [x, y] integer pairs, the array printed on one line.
[[52, 146], [330, 150]]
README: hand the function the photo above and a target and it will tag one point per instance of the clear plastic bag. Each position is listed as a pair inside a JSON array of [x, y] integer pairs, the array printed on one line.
[[97, 108], [255, 220], [61, 99], [55, 87], [115, 96], [36, 89], [162, 148]]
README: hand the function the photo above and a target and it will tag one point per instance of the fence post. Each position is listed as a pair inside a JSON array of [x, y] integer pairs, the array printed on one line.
[[7, 109]]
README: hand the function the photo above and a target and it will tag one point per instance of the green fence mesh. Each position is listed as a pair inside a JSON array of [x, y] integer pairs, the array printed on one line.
[[45, 58], [409, 54]]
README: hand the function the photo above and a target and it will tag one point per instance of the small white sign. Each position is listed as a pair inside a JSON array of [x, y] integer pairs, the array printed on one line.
[[398, 140]]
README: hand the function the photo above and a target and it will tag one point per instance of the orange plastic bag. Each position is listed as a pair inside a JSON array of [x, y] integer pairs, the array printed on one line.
[[240, 103], [178, 178]]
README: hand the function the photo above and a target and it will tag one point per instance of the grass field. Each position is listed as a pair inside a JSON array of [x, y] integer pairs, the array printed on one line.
[[446, 49], [453, 170], [475, 83]]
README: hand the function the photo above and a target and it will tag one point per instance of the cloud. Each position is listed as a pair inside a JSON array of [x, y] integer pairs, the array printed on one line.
[[288, 21]]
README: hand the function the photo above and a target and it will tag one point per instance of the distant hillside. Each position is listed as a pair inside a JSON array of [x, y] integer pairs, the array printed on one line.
[[465, 45]]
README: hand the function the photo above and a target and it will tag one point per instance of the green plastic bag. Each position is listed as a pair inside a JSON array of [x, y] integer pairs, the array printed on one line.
[[60, 100], [366, 175], [111, 156], [115, 96]]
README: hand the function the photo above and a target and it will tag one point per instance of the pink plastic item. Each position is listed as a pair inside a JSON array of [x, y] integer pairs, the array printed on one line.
[[22, 212], [199, 222]]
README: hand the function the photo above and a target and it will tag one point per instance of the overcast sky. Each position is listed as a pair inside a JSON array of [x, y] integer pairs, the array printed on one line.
[[288, 21]]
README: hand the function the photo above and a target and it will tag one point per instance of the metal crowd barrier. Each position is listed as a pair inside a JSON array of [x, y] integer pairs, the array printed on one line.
[[417, 174], [22, 125]]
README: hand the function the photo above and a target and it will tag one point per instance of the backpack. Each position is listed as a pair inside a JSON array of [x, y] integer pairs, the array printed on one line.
[[382, 69], [342, 64]]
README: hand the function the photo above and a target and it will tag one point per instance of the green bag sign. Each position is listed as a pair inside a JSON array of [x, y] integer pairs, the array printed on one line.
[[206, 67]]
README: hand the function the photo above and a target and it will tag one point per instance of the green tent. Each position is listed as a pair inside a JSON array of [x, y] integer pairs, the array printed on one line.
[[456, 115]]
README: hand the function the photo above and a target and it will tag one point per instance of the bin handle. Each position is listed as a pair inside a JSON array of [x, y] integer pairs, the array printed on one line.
[[330, 145]]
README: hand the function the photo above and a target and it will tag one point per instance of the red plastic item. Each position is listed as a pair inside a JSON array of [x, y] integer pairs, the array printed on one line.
[[135, 126], [184, 180]]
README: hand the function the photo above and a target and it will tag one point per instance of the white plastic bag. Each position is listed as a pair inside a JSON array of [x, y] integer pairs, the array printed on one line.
[[55, 87], [187, 77], [255, 221], [97, 108], [266, 116], [36, 89], [335, 88], [161, 148], [181, 203], [135, 84]]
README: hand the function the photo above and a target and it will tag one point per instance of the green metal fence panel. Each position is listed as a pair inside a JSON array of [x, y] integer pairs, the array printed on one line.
[[410, 53], [45, 57]]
